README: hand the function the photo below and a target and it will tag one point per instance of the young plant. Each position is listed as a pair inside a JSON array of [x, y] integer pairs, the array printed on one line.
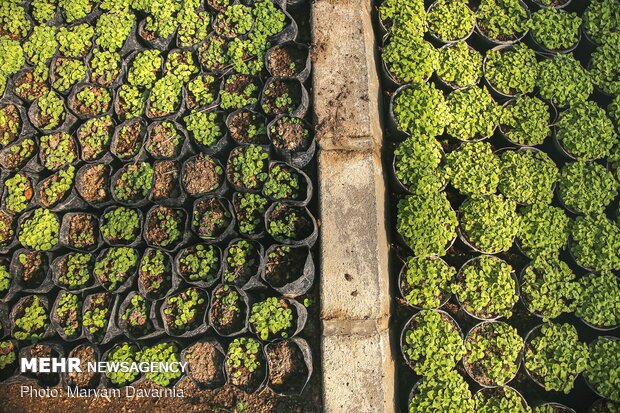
[[604, 367], [604, 66], [75, 270], [425, 282], [116, 265], [527, 177], [288, 223], [57, 150], [162, 353], [489, 222], [502, 20], [242, 261], [239, 91], [500, 400], [410, 60], [600, 20], [184, 311], [193, 26], [290, 134], [19, 193], [144, 68], [54, 188], [199, 263], [421, 110], [473, 169], [450, 20], [205, 127], [12, 57], [202, 91], [283, 184], [432, 343], [544, 230], [563, 80], [51, 111], [210, 218], [112, 29], [155, 274], [417, 163], [41, 44], [250, 210], [136, 316], [236, 20], [7, 231], [18, 154], [31, 319], [512, 70], [8, 354], [75, 41], [164, 226], [271, 318], [446, 392], [134, 183], [596, 243], [586, 187], [599, 304], [585, 131], [525, 121], [486, 287], [459, 65], [75, 9], [120, 225], [165, 96], [10, 124], [243, 359], [554, 356], [5, 278], [248, 167], [131, 102], [105, 67], [181, 65], [67, 73], [555, 29], [473, 113], [493, 351], [212, 54], [13, 21], [91, 101], [69, 313], [427, 223], [165, 140], [97, 310], [40, 230], [124, 352]]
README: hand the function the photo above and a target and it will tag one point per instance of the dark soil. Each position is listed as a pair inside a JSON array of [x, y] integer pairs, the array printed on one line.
[[93, 183], [287, 368], [33, 271], [279, 88], [148, 279], [12, 116], [241, 377], [80, 108], [89, 153], [280, 61], [17, 159], [192, 323], [83, 231], [242, 275], [154, 232], [27, 88], [56, 140], [289, 136], [284, 270], [6, 228], [44, 199], [70, 318], [137, 324], [240, 124], [161, 141], [200, 175], [165, 184], [224, 318], [87, 354], [128, 140], [302, 227], [206, 364], [89, 304], [238, 85], [214, 222]]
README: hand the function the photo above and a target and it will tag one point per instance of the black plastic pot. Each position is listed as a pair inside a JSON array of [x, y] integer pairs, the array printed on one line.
[[65, 229], [201, 325], [243, 313], [190, 100], [111, 330], [72, 101], [216, 360], [553, 112], [56, 322], [48, 332], [438, 40], [226, 233], [300, 109], [302, 74], [183, 150], [105, 381], [130, 275], [173, 246], [137, 240], [185, 276], [540, 48], [258, 378], [29, 164], [192, 186], [81, 187], [155, 329], [20, 285], [496, 42], [153, 42], [300, 318], [305, 191], [138, 144], [172, 280], [296, 380], [252, 279], [57, 268], [298, 284], [259, 139], [139, 201], [402, 288], [308, 239], [299, 157], [89, 380], [50, 349]]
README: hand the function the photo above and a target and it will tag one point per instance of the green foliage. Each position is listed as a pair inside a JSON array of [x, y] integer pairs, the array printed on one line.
[[181, 65], [136, 315], [489, 222], [450, 20], [10, 124], [68, 310], [239, 91], [105, 66], [75, 9], [500, 400], [251, 210], [122, 352], [473, 113], [447, 392], [116, 264], [166, 95], [426, 281], [51, 110], [167, 223], [40, 231], [493, 352], [513, 70], [56, 186], [459, 65], [287, 223], [162, 353], [8, 354], [112, 29], [93, 100], [600, 300], [75, 41], [283, 183], [604, 63], [144, 68], [390, 10], [247, 56], [5, 278], [41, 45], [271, 318], [184, 309], [57, 150], [486, 287], [13, 21], [502, 20], [97, 314], [167, 144], [32, 321], [18, 193], [248, 166], [596, 243], [555, 357], [155, 266], [210, 218], [600, 20], [193, 26], [200, 263], [563, 80], [95, 136], [526, 120], [120, 224], [240, 261], [75, 270], [432, 344], [603, 371], [131, 101], [527, 176], [473, 169], [410, 60], [421, 110], [67, 73], [244, 353], [427, 223], [12, 57], [555, 29], [236, 20], [269, 20], [212, 53], [585, 131], [586, 187], [135, 182], [206, 127], [613, 110], [201, 89], [544, 230]]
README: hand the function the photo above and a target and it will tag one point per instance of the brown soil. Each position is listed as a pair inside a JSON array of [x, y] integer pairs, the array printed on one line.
[[241, 377], [128, 142], [6, 228], [86, 353], [33, 270], [238, 85], [240, 124], [10, 348], [136, 323], [16, 160], [93, 183], [212, 214], [205, 364], [289, 136], [219, 5], [12, 116], [200, 175], [281, 60], [70, 318], [27, 88], [287, 369], [223, 318], [55, 140], [79, 107], [154, 232], [284, 270], [301, 227], [89, 153], [165, 184], [147, 279], [278, 88], [106, 305], [82, 231], [43, 351], [146, 34], [161, 141], [242, 274], [176, 311]]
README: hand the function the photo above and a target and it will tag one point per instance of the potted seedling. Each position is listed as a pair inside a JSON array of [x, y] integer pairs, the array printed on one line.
[[32, 353], [202, 174], [554, 30], [293, 139], [247, 167], [199, 264], [67, 315], [473, 114], [420, 110], [236, 20], [273, 318], [165, 140], [30, 84], [113, 29], [600, 21], [6, 279], [500, 400], [250, 211], [205, 363], [128, 139], [145, 67], [245, 364], [66, 72], [132, 183], [164, 227], [544, 230], [604, 406], [595, 242], [73, 271], [184, 313], [586, 187], [585, 132], [598, 303], [239, 91], [603, 66], [502, 21], [488, 223], [289, 270], [7, 228], [130, 102], [134, 316], [75, 41], [96, 315], [121, 225], [442, 392], [47, 112], [473, 169], [202, 91], [8, 358], [528, 176], [492, 353], [75, 10], [247, 127], [553, 408], [417, 165], [80, 231], [408, 60], [11, 123], [212, 54], [425, 282], [19, 154], [88, 101], [432, 342], [450, 21], [15, 22], [242, 260], [57, 150], [427, 223], [165, 97], [549, 289], [459, 65], [181, 65], [123, 352], [30, 319], [229, 310], [193, 26], [486, 288], [554, 356], [29, 268], [207, 129], [94, 137], [105, 67], [281, 96], [290, 225], [211, 218], [511, 70], [114, 266], [525, 121], [556, 4], [287, 184], [91, 183], [18, 193], [166, 187], [288, 60], [563, 80], [39, 230], [155, 274], [601, 373], [166, 352], [41, 45]]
